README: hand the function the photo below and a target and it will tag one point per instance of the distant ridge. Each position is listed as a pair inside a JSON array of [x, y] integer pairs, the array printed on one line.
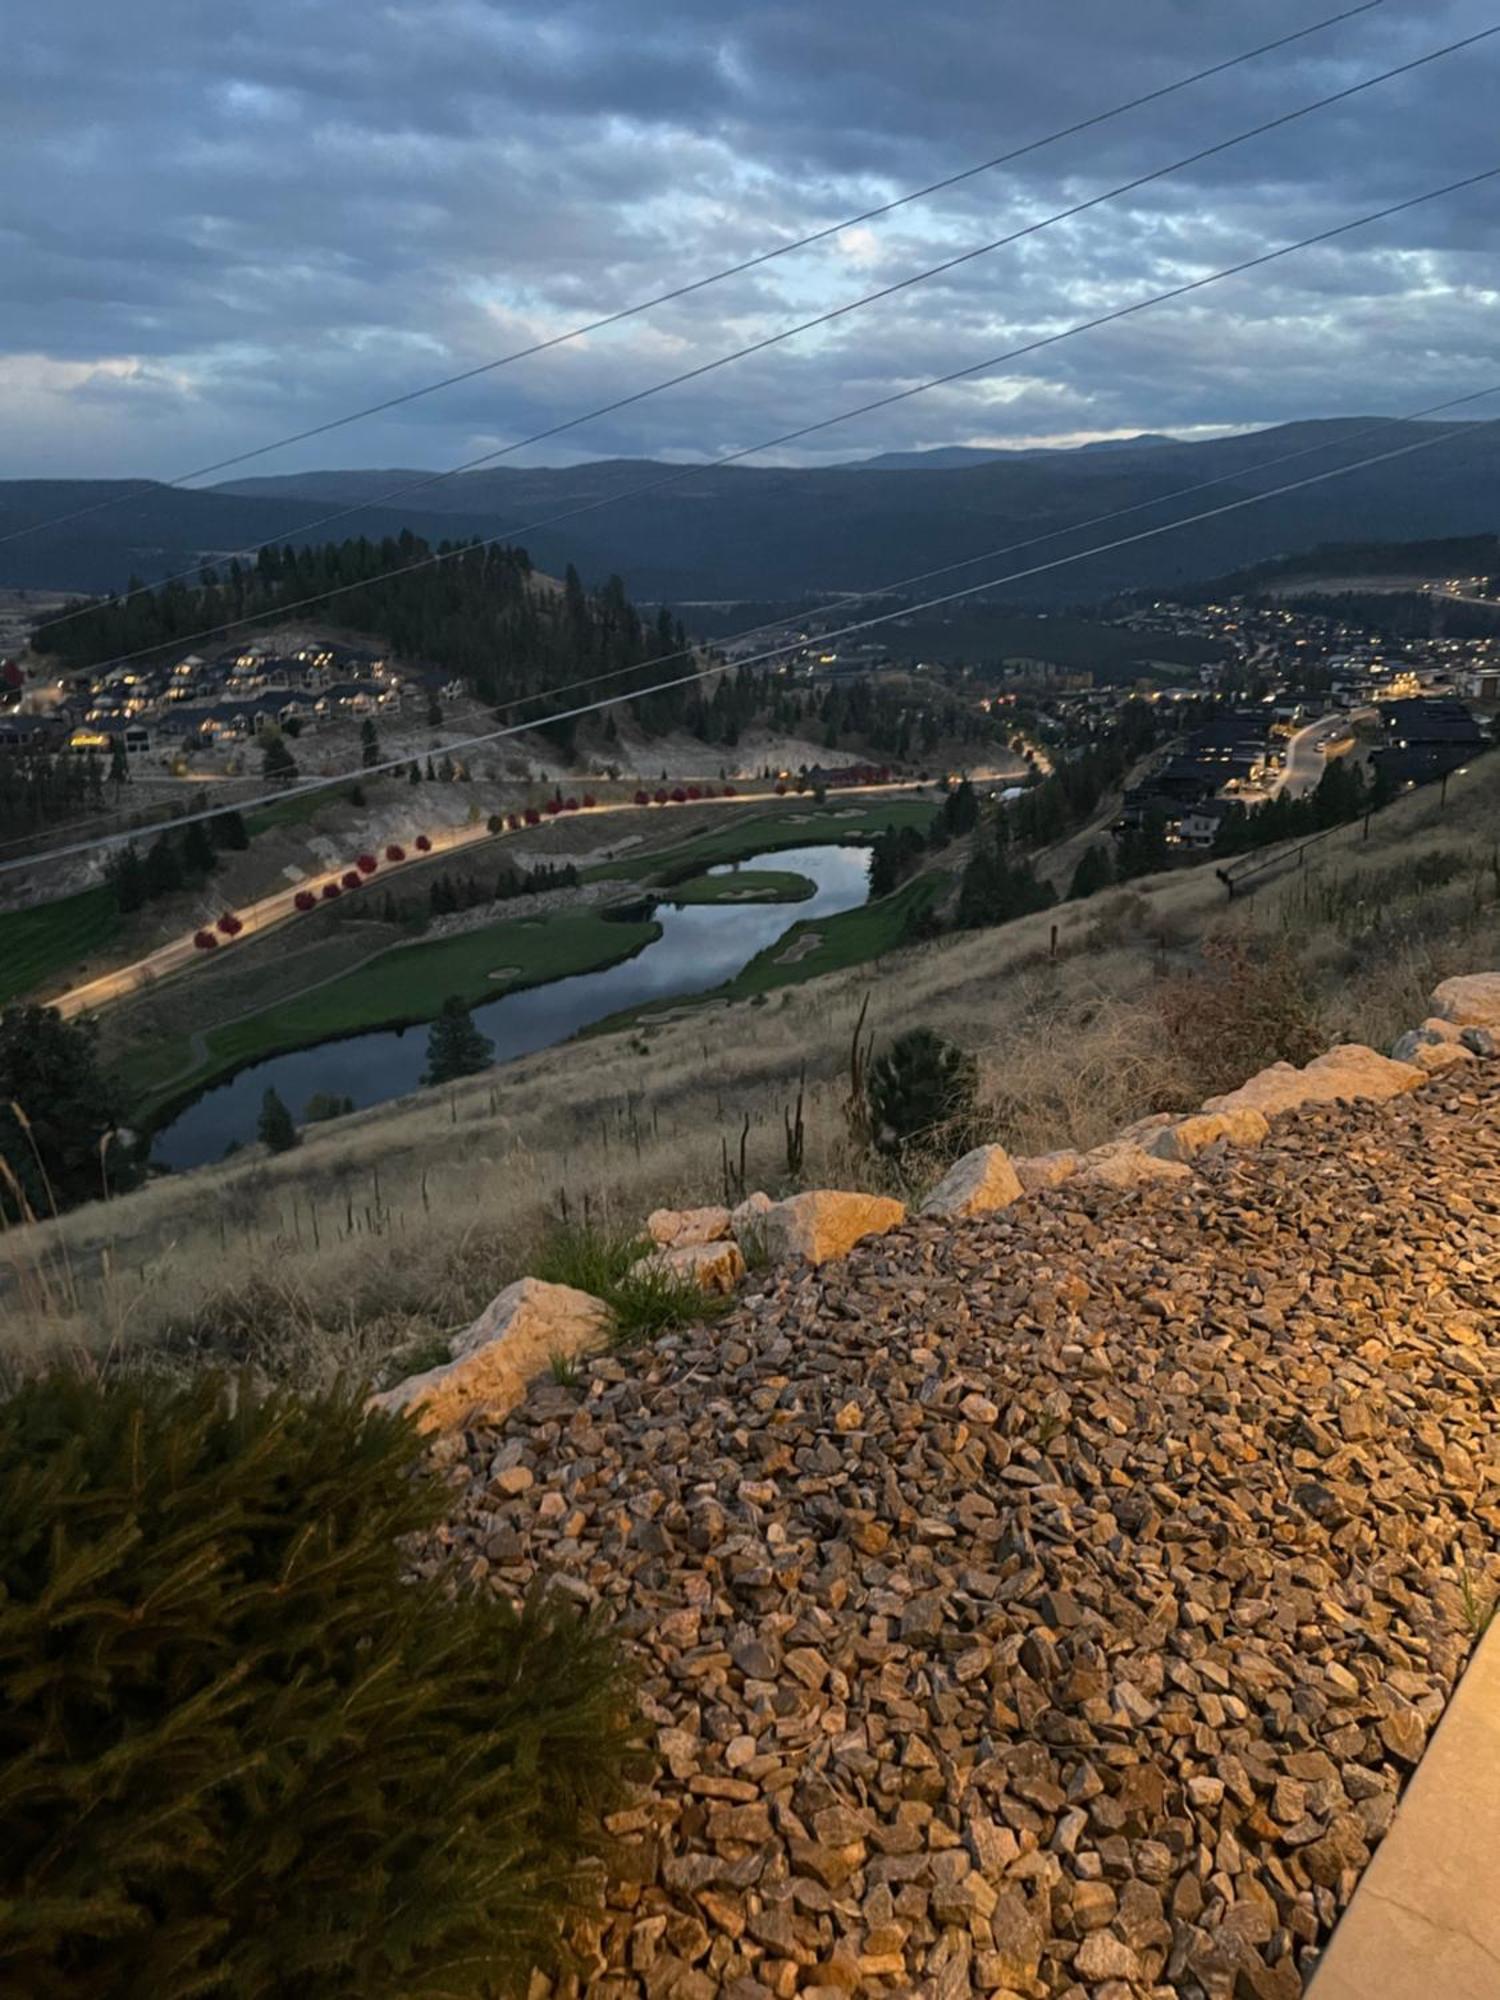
[[741, 532], [953, 457]]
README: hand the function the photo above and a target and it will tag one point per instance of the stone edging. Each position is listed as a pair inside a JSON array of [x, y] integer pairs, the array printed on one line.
[[531, 1323]]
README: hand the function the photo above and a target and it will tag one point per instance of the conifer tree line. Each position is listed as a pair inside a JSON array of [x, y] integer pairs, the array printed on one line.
[[39, 789], [173, 861]]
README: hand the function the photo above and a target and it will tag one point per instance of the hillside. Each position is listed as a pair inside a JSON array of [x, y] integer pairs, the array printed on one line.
[[1046, 1604], [744, 531]]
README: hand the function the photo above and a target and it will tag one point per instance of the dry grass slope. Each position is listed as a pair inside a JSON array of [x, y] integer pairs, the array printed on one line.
[[392, 1227]]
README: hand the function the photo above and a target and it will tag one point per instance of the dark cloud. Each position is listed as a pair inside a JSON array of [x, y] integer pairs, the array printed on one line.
[[217, 225]]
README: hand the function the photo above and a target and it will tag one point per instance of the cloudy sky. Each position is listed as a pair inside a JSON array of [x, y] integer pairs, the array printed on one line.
[[222, 224]]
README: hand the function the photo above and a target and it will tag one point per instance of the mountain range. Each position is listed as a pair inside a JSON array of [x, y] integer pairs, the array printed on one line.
[[725, 533]]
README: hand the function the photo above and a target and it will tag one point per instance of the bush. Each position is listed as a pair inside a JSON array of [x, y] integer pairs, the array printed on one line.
[[205, 940], [395, 852], [922, 1091], [239, 1755], [331, 892], [1248, 1007], [352, 879], [306, 900], [422, 844]]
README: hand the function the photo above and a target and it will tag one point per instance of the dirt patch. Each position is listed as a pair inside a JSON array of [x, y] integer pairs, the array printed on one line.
[[506, 972], [800, 947]]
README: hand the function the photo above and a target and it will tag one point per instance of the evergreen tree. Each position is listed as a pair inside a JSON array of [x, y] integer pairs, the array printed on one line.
[[277, 765], [414, 773], [959, 813], [455, 1047], [163, 868], [1095, 871], [126, 875], [924, 1088], [369, 745], [229, 832], [58, 1146], [198, 857], [275, 1126], [119, 764]]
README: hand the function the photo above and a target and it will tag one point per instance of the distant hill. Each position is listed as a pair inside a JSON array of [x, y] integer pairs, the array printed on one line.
[[741, 531], [954, 457]]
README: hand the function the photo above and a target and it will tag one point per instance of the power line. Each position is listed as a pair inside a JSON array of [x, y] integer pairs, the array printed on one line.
[[1260, 466], [777, 652], [834, 313], [718, 277], [675, 478]]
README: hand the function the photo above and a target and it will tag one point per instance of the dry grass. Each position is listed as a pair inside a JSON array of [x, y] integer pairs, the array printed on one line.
[[387, 1230]]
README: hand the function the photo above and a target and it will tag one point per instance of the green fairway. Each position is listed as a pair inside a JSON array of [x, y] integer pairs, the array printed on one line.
[[790, 823], [830, 944], [35, 945], [410, 984], [745, 885]]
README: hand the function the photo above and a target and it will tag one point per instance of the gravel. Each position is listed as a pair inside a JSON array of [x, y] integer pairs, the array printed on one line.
[[1052, 1604]]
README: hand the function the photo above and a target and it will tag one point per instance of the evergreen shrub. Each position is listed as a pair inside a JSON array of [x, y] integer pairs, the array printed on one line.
[[240, 1754]]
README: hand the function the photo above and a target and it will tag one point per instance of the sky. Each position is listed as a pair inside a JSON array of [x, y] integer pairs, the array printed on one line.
[[219, 225]]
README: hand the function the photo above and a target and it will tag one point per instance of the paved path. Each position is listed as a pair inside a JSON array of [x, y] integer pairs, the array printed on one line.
[[1052, 1605]]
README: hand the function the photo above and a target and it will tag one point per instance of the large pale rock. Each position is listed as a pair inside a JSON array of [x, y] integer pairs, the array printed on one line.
[[510, 1343], [825, 1223], [674, 1227], [1124, 1164], [712, 1267], [1188, 1137], [750, 1213], [1045, 1170], [1472, 1001], [978, 1183], [1432, 1058], [1343, 1076]]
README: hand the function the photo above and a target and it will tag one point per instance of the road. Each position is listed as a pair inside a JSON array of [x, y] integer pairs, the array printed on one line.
[[281, 906], [1307, 753]]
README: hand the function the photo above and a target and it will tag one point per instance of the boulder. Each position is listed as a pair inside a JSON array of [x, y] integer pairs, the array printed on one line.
[[510, 1343], [1045, 1170], [825, 1223], [712, 1267], [1124, 1164], [674, 1227], [1432, 1058], [751, 1213], [1342, 1076], [1434, 1030], [1187, 1137], [1479, 1041], [981, 1181], [1472, 1001]]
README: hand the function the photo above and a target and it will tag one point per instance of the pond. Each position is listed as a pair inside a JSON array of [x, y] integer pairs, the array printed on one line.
[[700, 947]]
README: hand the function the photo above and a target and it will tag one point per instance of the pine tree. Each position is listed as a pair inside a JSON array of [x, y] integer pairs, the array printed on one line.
[[163, 868], [229, 831], [58, 1112], [923, 1089], [275, 1126], [455, 1047], [198, 857], [126, 875], [277, 764], [119, 763], [414, 773], [1095, 871], [369, 745]]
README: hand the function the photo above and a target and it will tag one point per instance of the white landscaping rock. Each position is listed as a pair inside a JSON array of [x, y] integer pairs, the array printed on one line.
[[1124, 1164], [750, 1213], [826, 1223], [712, 1267], [1472, 1001], [1188, 1137], [980, 1182], [674, 1227], [507, 1347], [1045, 1170], [1343, 1076]]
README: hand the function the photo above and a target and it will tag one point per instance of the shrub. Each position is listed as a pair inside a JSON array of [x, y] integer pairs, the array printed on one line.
[[306, 900], [570, 805], [533, 817], [654, 1299], [679, 797], [239, 1755], [323, 1105], [422, 844], [589, 1257], [922, 1090], [1248, 1007], [352, 880], [589, 802], [331, 892], [395, 852], [230, 924], [365, 863], [205, 940], [643, 798], [660, 795]]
